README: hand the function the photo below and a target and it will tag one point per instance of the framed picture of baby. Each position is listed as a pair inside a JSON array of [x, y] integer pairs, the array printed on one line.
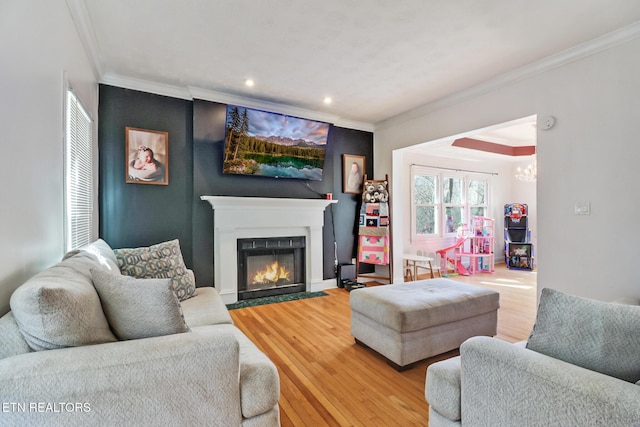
[[147, 154]]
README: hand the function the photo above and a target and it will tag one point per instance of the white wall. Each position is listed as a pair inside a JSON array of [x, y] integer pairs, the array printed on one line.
[[38, 43], [590, 155]]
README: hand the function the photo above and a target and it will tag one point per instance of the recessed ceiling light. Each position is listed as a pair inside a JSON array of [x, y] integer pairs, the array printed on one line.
[[327, 100], [249, 82]]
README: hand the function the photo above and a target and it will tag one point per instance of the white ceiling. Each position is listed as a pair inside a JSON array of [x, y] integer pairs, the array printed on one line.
[[375, 58]]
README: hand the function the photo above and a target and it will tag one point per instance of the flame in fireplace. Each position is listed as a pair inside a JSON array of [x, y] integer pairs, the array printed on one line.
[[271, 274]]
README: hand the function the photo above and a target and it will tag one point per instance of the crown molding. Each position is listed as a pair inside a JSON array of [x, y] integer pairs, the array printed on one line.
[[192, 92], [350, 124], [225, 98], [549, 63], [84, 27], [146, 86]]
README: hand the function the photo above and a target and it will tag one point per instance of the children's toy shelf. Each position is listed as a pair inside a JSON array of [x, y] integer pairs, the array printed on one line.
[[374, 233], [518, 249], [478, 247]]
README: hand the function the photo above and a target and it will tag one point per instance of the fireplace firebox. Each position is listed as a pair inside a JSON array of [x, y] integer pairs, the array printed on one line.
[[270, 266]]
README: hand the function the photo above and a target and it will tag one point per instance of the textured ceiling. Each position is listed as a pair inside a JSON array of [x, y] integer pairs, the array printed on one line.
[[375, 58]]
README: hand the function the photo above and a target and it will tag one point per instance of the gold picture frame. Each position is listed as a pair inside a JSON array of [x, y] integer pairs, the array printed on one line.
[[147, 156], [353, 171]]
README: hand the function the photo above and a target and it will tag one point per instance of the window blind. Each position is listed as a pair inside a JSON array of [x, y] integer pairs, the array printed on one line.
[[78, 175]]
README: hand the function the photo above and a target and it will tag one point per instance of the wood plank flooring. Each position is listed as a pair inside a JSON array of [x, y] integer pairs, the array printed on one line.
[[328, 380]]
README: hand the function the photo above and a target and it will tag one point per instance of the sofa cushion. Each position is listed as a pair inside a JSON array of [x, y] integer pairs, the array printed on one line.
[[207, 308], [588, 333], [139, 308], [12, 342], [59, 307], [163, 260]]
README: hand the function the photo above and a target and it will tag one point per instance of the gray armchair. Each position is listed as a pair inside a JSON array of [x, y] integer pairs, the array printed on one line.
[[495, 383], [580, 367]]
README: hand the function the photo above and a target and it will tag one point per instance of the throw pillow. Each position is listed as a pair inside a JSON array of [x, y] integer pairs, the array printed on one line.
[[102, 252], [139, 308], [59, 307], [592, 334], [160, 261]]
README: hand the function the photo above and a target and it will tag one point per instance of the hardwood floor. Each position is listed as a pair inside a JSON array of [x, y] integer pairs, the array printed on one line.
[[328, 380], [518, 305]]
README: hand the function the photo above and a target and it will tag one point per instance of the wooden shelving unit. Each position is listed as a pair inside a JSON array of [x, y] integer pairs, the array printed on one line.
[[375, 243]]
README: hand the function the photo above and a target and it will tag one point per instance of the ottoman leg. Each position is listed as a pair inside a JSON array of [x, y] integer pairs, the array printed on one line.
[[391, 363]]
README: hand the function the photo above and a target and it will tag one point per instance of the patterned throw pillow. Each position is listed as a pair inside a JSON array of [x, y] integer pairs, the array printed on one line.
[[160, 261]]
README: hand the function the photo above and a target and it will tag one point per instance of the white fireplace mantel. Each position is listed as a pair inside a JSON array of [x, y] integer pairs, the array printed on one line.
[[246, 217]]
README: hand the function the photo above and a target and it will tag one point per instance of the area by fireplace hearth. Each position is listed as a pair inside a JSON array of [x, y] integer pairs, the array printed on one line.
[[270, 266], [235, 218]]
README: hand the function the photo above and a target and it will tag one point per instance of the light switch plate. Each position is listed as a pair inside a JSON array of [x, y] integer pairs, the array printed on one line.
[[582, 208]]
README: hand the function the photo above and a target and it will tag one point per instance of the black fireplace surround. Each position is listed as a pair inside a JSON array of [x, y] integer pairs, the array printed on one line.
[[270, 266]]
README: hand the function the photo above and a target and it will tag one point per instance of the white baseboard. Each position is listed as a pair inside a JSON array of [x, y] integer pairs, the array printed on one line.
[[325, 284]]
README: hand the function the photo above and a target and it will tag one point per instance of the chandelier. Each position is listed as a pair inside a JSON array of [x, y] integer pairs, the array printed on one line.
[[528, 174]]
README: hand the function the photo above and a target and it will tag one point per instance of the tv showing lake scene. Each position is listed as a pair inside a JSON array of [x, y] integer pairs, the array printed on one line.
[[261, 143]]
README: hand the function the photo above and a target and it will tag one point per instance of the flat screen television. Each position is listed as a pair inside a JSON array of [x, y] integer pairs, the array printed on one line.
[[261, 143]]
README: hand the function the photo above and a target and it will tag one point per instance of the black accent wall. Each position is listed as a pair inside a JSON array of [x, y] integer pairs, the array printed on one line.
[[133, 215]]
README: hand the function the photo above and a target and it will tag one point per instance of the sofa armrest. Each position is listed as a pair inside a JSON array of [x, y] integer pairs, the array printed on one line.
[[182, 379], [626, 300], [442, 388], [206, 308], [505, 384]]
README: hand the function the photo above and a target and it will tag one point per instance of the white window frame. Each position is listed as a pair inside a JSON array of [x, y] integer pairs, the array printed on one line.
[[441, 207], [415, 170], [485, 205], [78, 172], [465, 212]]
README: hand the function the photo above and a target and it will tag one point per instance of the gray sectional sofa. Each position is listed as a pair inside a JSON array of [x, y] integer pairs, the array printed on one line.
[[580, 367], [63, 359]]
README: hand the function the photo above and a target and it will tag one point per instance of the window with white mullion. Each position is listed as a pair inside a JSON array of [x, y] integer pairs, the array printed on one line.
[[453, 200], [425, 203], [78, 175], [478, 197], [442, 201]]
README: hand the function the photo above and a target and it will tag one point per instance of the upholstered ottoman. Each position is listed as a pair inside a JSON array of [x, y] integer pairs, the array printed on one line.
[[412, 321]]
